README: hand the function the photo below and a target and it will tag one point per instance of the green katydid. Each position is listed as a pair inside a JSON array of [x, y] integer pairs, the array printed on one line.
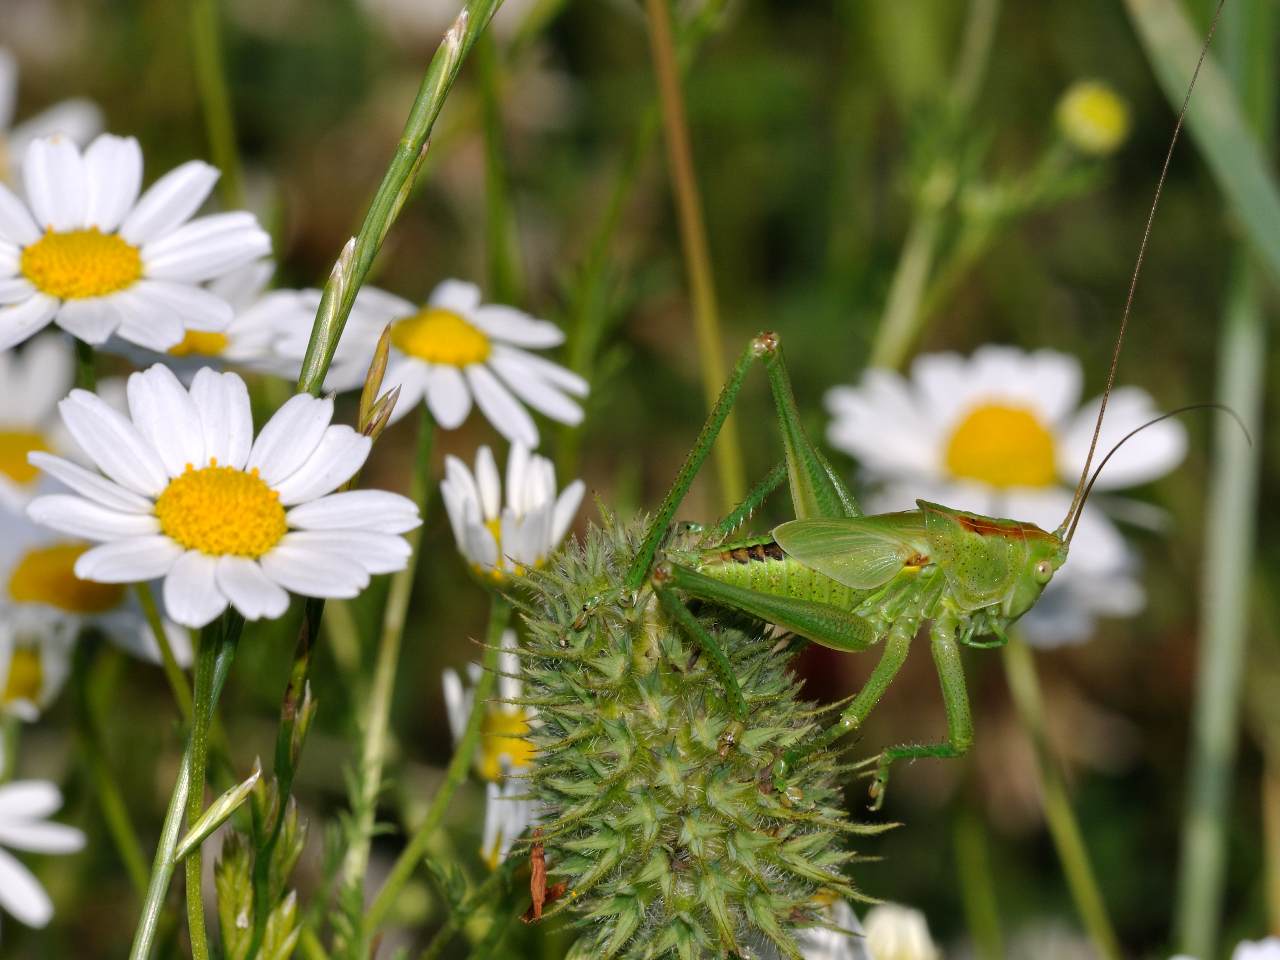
[[848, 581]]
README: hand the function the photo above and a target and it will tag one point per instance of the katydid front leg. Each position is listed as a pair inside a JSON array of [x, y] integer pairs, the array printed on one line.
[[955, 699]]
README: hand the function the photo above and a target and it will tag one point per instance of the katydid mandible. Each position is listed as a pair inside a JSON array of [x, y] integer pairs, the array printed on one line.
[[849, 581]]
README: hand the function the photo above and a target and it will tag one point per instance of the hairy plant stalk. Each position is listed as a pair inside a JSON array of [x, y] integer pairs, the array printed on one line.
[[455, 774], [903, 317], [168, 662], [1024, 684], [693, 235], [215, 99], [340, 290], [163, 865], [373, 753], [1230, 528]]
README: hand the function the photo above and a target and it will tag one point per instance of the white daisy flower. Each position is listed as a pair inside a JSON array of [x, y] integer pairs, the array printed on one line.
[[895, 932], [25, 806], [502, 741], [846, 943], [504, 540], [186, 493], [453, 350], [1002, 433], [87, 253], [259, 316], [35, 660], [41, 597], [31, 384], [77, 119]]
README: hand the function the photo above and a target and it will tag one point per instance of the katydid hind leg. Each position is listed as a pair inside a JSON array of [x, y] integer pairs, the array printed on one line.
[[674, 607], [955, 699]]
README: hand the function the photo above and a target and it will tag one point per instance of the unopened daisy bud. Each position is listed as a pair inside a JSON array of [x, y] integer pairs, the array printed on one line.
[[896, 932], [380, 415], [373, 379], [405, 189], [1093, 117]]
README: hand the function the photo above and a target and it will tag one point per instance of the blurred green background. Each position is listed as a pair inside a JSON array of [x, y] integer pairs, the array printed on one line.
[[811, 123]]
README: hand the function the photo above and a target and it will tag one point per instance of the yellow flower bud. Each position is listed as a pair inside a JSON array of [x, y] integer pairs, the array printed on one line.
[[1093, 117]]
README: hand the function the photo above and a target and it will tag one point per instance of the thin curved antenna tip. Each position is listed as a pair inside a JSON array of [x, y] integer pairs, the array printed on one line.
[[1207, 405], [1077, 501]]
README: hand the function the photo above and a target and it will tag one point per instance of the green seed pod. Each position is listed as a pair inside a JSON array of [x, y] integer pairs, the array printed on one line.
[[659, 810]]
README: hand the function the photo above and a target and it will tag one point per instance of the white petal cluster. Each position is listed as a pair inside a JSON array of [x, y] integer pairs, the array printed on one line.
[[31, 384], [895, 932], [329, 543], [482, 354], [25, 806], [902, 430], [505, 539], [98, 192]]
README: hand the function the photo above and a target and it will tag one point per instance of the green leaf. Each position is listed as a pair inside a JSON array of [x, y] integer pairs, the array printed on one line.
[[217, 814], [1215, 120]]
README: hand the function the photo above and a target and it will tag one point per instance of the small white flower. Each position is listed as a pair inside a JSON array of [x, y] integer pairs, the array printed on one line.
[[35, 660], [25, 806], [186, 493], [86, 252], [44, 607], [249, 340], [31, 384], [896, 932], [453, 350], [508, 812], [845, 943], [1002, 433], [78, 119], [504, 540]]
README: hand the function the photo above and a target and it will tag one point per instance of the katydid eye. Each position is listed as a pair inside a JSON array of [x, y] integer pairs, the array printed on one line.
[[1044, 571]]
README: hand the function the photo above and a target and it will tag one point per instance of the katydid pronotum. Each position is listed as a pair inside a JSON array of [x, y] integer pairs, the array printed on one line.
[[848, 581]]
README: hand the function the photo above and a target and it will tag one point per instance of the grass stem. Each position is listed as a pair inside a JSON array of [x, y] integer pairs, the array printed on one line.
[[168, 662], [215, 99]]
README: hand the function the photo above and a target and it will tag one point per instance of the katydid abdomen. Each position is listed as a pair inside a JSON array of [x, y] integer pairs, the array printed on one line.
[[761, 565]]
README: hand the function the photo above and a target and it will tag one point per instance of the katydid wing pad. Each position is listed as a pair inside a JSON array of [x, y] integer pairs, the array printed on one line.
[[860, 552]]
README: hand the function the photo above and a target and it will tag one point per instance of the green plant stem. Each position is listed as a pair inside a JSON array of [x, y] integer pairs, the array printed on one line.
[[172, 671], [455, 774], [86, 366], [977, 892], [903, 317], [163, 865], [10, 730], [215, 99], [1024, 684], [201, 715], [115, 813], [697, 256], [378, 715], [1248, 52], [502, 248], [340, 290], [493, 887], [1271, 840]]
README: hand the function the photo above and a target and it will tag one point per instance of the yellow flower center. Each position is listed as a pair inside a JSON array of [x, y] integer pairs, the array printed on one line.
[[75, 264], [1002, 446], [440, 336], [47, 575], [503, 736], [14, 447], [26, 677], [221, 510], [200, 342], [1093, 118]]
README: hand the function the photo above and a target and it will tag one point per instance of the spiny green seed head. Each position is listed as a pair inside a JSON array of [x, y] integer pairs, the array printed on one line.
[[659, 809]]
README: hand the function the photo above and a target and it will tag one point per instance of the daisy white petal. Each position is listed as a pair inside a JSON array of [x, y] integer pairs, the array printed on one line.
[[132, 560], [250, 590], [146, 321], [241, 288], [206, 247], [226, 421], [457, 706], [335, 460], [312, 573], [42, 378], [567, 505], [447, 396], [290, 437], [487, 483], [1148, 455], [92, 319], [54, 177], [165, 415], [40, 837], [199, 309], [77, 119], [81, 518], [455, 295], [22, 895], [89, 484], [500, 407], [516, 327], [543, 397], [375, 552], [8, 88], [374, 510], [544, 369], [169, 201], [16, 223], [15, 290], [21, 320], [29, 800], [191, 592], [113, 174]]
